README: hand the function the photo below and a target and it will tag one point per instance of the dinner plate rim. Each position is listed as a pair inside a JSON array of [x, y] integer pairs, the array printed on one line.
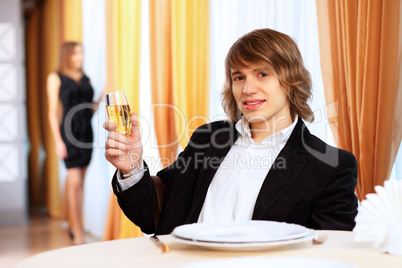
[[271, 224], [248, 246]]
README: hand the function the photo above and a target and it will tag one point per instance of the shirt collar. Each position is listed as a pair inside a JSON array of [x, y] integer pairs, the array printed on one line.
[[243, 127]]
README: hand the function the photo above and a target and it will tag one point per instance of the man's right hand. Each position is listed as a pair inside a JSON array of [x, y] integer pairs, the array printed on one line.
[[118, 146]]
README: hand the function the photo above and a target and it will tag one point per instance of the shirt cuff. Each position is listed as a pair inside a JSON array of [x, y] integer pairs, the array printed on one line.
[[130, 181]]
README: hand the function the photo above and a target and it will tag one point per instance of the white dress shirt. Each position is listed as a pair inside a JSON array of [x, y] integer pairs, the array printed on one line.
[[234, 189]]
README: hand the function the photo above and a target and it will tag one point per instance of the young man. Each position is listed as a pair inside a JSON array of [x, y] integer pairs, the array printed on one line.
[[261, 164]]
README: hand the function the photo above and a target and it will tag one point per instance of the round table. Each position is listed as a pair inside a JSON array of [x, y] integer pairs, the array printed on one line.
[[142, 252]]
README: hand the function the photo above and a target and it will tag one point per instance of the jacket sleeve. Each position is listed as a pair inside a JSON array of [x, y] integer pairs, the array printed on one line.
[[336, 208], [138, 202]]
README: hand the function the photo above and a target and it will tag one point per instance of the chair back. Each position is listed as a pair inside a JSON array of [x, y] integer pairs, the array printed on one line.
[[160, 191]]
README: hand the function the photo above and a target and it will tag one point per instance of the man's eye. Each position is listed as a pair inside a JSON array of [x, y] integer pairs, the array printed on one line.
[[263, 74]]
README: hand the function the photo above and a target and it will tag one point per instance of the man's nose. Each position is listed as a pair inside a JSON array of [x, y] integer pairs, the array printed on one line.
[[250, 87]]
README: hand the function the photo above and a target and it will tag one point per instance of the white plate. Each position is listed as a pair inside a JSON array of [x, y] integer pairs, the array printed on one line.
[[264, 262], [240, 231], [248, 246]]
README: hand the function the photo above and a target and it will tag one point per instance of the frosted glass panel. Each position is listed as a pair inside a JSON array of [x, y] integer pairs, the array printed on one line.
[[7, 41], [8, 82], [8, 123], [9, 162]]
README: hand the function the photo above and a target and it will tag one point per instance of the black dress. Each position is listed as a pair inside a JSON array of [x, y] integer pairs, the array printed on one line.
[[75, 129]]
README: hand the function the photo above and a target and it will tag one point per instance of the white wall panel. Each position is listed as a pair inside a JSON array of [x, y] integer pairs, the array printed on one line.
[[13, 141], [7, 41]]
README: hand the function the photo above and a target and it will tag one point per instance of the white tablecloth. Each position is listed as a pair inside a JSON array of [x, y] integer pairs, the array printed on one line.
[[141, 252]]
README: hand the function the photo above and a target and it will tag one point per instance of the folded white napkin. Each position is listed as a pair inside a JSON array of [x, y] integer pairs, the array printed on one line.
[[380, 218], [393, 240]]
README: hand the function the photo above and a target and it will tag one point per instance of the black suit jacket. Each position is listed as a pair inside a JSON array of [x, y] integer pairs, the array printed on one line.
[[310, 183]]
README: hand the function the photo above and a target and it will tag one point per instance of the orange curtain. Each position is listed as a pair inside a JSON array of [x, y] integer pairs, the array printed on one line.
[[190, 54], [167, 39], [123, 21], [49, 24], [179, 48], [360, 60], [161, 79], [43, 39], [51, 40], [72, 20], [33, 94], [71, 30]]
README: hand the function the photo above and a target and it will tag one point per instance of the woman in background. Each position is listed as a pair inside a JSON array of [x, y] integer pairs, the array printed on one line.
[[70, 90]]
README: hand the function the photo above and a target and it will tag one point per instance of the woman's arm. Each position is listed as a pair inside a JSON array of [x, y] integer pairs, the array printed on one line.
[[53, 89]]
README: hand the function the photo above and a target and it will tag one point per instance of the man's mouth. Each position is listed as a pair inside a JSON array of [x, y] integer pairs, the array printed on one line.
[[253, 104]]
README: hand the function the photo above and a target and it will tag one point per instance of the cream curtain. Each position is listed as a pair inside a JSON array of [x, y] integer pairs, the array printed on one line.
[[360, 60]]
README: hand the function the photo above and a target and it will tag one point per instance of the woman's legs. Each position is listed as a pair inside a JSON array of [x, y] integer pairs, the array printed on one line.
[[75, 184], [81, 192]]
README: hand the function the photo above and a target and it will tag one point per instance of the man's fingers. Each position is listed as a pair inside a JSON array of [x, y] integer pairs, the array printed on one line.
[[109, 126], [110, 153], [134, 120], [117, 137], [135, 131], [113, 144]]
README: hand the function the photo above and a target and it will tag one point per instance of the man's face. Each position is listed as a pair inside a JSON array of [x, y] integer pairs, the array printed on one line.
[[259, 95]]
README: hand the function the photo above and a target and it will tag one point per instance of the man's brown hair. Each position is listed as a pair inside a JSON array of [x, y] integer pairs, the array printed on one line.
[[280, 54]]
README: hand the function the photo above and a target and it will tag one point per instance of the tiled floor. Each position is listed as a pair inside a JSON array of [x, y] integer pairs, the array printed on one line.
[[40, 234]]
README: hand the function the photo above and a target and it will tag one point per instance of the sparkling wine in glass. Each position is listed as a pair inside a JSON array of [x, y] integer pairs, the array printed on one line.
[[121, 115], [118, 111]]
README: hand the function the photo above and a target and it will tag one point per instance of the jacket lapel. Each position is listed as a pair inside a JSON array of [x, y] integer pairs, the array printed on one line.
[[283, 172], [221, 142]]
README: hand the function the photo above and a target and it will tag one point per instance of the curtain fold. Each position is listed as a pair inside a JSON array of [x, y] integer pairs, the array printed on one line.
[[190, 62], [72, 20], [70, 30], [161, 79], [50, 45], [33, 94], [123, 30], [123, 20], [360, 62], [179, 55], [113, 220], [45, 33]]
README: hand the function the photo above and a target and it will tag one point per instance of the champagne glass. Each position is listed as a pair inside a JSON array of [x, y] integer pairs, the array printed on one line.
[[118, 111]]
